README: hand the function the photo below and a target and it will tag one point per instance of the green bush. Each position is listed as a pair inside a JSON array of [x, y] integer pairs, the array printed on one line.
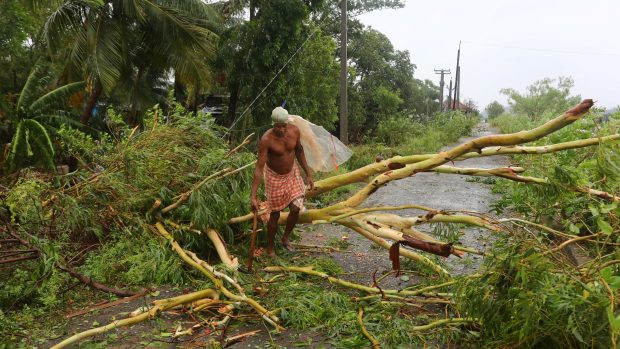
[[397, 130], [524, 300]]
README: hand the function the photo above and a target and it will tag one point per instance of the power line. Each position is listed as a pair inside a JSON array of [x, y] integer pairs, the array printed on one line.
[[275, 76]]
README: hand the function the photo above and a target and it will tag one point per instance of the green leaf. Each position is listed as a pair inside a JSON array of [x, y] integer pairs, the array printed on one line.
[[577, 335], [57, 98], [604, 226], [608, 208], [594, 211], [614, 282], [573, 229]]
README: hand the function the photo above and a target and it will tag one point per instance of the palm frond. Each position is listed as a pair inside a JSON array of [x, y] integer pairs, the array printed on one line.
[[32, 86], [40, 143], [63, 22], [57, 98], [133, 9], [108, 53], [173, 26], [35, 82], [55, 119], [19, 147]]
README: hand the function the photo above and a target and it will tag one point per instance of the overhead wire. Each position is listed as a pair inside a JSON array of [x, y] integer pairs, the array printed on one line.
[[249, 108]]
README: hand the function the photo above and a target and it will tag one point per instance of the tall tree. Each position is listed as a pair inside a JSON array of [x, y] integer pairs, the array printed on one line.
[[253, 53], [544, 96], [18, 29], [107, 41], [494, 109]]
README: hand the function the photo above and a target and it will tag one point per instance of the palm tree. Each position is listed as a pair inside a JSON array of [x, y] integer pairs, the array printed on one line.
[[33, 114], [112, 43]]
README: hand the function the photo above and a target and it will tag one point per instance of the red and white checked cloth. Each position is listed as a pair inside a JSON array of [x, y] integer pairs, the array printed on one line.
[[284, 189]]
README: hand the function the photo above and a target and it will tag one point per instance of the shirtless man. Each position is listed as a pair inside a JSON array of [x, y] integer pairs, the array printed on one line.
[[284, 186]]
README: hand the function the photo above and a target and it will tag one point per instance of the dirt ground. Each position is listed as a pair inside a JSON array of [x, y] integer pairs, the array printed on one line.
[[360, 260]]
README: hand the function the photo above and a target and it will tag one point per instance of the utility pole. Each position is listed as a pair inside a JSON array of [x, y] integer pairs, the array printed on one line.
[[450, 95], [344, 117], [457, 83], [442, 72]]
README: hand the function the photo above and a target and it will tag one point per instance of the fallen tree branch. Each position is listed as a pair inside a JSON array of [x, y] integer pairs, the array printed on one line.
[[452, 321], [246, 141], [403, 252], [310, 271], [151, 313], [571, 241], [363, 173], [474, 145], [106, 305], [84, 279], [220, 248], [373, 341], [18, 259], [265, 314]]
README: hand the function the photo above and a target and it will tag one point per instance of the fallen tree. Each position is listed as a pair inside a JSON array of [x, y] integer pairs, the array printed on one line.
[[388, 230], [381, 228]]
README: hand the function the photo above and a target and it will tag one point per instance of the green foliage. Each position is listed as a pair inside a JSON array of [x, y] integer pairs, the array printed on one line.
[[314, 86], [523, 300], [25, 197], [31, 144], [18, 51], [387, 102], [542, 97], [592, 167], [383, 85], [528, 300], [134, 259], [403, 136], [494, 109], [162, 35], [510, 123], [395, 131]]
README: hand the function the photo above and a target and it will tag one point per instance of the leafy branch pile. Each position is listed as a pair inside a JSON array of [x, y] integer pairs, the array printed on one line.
[[178, 184]]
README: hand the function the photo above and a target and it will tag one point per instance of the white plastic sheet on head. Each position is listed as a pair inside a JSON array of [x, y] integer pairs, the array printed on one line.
[[323, 151]]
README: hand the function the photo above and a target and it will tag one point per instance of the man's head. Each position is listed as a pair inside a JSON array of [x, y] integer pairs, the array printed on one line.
[[279, 118]]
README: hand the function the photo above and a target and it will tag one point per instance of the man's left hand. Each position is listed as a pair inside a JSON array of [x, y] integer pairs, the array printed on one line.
[[310, 182]]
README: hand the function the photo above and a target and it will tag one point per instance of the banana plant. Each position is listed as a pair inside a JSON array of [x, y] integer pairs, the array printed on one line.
[[35, 114]]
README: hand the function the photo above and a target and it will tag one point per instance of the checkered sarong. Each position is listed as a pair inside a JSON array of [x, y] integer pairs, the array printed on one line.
[[285, 189]]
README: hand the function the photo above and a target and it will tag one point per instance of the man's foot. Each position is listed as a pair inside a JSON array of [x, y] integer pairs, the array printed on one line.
[[287, 244], [271, 252]]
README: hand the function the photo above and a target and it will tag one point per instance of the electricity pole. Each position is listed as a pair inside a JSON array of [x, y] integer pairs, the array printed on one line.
[[344, 119], [457, 83], [442, 72], [450, 95]]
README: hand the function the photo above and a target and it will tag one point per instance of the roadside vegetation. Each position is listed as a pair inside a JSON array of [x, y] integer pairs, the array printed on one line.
[[120, 178]]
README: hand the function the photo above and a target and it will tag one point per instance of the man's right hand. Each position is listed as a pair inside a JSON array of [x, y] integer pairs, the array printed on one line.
[[254, 204]]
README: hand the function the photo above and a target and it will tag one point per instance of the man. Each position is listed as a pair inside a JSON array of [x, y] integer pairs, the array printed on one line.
[[284, 186]]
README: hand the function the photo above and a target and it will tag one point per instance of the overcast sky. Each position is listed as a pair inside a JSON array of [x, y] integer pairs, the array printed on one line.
[[511, 43]]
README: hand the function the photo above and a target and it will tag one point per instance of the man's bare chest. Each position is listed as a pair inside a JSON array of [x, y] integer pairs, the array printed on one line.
[[282, 146]]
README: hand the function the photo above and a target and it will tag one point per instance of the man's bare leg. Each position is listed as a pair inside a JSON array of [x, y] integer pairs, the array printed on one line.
[[293, 216], [272, 229]]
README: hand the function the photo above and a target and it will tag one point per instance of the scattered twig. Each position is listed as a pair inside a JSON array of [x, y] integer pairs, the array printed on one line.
[[246, 141], [571, 241], [85, 279], [106, 305], [152, 312]]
